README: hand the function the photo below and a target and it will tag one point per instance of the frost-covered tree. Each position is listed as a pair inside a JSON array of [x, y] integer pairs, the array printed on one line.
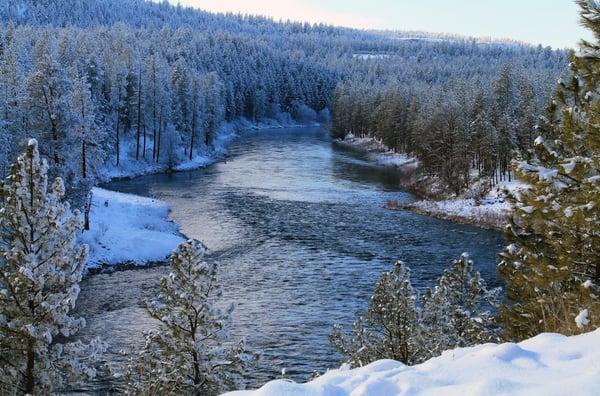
[[40, 269], [48, 103], [552, 261], [459, 311], [391, 326], [87, 156], [187, 354], [399, 325]]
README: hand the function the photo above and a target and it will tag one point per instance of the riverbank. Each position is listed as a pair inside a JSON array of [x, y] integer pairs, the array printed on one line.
[[489, 214], [129, 231], [378, 152], [488, 211], [549, 364], [179, 161]]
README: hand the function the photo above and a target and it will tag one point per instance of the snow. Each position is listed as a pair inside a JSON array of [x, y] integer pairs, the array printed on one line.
[[126, 228], [489, 213], [377, 151], [549, 364], [129, 167], [582, 319], [371, 56]]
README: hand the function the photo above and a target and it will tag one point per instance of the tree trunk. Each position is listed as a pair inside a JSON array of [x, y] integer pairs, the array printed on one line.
[[118, 140], [83, 160], [160, 127], [154, 129], [193, 132], [87, 210], [29, 379], [139, 115]]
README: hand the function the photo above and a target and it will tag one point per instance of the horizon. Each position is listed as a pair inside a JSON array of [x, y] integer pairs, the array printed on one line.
[[480, 20]]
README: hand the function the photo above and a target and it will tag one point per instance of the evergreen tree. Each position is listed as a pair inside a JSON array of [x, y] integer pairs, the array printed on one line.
[[48, 99], [552, 262], [458, 312], [40, 270], [400, 326], [187, 354], [391, 327]]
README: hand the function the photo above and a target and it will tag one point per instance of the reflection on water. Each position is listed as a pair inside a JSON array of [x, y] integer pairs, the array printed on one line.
[[299, 228]]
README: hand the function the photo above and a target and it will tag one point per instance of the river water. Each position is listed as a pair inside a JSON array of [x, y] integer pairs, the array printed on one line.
[[298, 226]]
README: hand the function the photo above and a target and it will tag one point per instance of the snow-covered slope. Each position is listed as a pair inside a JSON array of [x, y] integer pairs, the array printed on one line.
[[548, 364], [129, 229]]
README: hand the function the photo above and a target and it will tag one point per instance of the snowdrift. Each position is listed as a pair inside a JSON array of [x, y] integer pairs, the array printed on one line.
[[129, 229], [548, 364]]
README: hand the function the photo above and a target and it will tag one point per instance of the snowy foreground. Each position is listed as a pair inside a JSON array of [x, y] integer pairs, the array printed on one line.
[[129, 229], [548, 364]]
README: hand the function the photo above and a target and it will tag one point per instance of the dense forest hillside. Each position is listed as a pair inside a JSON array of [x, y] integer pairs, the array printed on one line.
[[115, 82]]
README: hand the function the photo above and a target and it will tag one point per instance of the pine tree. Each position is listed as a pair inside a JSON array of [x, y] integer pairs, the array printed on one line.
[[400, 326], [552, 261], [391, 327], [47, 99], [458, 312], [187, 354], [40, 269]]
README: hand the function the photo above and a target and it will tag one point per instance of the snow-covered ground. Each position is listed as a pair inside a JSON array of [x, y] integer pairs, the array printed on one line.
[[377, 151], [491, 211], [546, 365], [486, 213], [126, 228]]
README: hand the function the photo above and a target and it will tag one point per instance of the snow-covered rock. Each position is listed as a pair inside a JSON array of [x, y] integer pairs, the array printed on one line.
[[548, 364], [126, 228]]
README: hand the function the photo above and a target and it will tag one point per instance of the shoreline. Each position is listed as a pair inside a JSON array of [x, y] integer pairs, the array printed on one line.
[[484, 216], [227, 133], [145, 222], [490, 213]]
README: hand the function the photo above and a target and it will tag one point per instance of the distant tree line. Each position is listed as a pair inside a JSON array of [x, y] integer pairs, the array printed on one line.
[[456, 130]]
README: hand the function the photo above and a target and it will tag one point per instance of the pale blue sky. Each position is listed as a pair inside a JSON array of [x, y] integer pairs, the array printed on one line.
[[547, 22]]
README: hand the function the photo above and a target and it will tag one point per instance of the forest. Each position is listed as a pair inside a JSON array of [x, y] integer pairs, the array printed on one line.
[[94, 86], [145, 82]]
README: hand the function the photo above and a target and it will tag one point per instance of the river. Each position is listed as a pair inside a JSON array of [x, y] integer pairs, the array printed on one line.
[[298, 226]]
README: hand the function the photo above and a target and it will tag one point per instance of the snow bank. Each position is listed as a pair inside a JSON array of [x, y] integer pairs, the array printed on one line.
[[129, 229], [377, 151], [129, 167], [548, 364], [490, 213]]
